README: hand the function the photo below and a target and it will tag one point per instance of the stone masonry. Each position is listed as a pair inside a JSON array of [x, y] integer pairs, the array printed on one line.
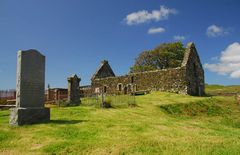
[[30, 89], [103, 71]]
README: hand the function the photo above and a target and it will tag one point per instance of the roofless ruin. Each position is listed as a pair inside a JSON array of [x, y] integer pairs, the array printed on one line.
[[186, 79]]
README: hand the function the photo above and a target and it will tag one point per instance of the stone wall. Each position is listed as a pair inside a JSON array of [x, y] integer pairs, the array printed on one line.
[[172, 80], [86, 91], [55, 94]]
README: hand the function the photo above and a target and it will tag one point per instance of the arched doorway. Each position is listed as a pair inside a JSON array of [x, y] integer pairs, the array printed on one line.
[[104, 89], [125, 90]]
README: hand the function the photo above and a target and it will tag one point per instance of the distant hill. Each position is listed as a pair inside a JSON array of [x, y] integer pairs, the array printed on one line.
[[222, 90]]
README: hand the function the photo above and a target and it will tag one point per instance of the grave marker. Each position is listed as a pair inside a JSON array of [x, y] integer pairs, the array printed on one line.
[[30, 89], [73, 90]]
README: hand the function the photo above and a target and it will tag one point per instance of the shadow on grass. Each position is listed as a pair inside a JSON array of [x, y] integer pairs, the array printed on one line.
[[67, 121], [209, 95], [4, 115], [51, 122]]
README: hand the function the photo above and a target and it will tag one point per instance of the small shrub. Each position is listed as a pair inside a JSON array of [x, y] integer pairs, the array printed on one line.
[[132, 104], [171, 108], [107, 103], [62, 103]]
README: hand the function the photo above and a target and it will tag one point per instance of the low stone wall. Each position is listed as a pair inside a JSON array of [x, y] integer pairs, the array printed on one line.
[[86, 91], [55, 94]]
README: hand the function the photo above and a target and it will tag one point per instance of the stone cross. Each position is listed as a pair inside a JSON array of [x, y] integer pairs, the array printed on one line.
[[73, 90], [30, 89]]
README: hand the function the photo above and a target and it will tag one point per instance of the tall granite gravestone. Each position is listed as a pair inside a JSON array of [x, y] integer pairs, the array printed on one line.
[[73, 90], [30, 89]]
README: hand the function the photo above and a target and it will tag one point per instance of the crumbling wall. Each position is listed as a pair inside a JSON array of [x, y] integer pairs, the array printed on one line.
[[110, 84], [172, 80]]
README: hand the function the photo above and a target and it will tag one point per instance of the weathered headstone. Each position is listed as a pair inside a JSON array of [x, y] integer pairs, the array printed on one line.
[[73, 90], [30, 89]]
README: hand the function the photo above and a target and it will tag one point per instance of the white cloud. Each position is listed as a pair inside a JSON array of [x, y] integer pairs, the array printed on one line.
[[179, 38], [216, 31], [229, 62], [235, 74], [144, 16], [156, 30]]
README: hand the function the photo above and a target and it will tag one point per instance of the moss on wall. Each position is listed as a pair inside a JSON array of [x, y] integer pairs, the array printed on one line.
[[172, 80]]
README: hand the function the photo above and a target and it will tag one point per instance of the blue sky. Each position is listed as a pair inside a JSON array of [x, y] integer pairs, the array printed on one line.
[[76, 35]]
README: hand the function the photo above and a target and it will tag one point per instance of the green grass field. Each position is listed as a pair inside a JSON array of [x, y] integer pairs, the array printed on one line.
[[161, 123]]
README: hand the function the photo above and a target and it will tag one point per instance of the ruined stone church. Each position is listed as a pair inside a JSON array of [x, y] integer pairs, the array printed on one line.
[[186, 79]]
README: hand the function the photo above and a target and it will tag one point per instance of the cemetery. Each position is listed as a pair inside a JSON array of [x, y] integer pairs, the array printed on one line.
[[119, 123], [119, 77]]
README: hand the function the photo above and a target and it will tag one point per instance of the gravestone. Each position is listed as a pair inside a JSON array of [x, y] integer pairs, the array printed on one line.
[[73, 90], [30, 89]]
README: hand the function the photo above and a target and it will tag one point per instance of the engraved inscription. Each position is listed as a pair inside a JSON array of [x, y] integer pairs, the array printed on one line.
[[30, 79]]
